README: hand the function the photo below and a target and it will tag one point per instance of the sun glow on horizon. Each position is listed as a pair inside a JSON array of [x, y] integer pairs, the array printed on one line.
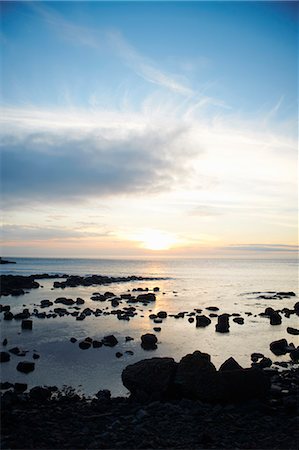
[[157, 240]]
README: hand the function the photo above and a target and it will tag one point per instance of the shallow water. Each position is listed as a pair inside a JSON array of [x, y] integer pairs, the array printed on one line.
[[198, 283]]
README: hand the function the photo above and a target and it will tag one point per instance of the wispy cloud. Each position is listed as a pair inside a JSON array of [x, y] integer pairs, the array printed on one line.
[[144, 67]]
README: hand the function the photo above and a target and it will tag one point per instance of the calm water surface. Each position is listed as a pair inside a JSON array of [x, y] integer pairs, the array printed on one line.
[[192, 283]]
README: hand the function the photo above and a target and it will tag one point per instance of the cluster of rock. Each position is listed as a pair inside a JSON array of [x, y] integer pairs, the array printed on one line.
[[16, 284], [194, 377], [6, 261], [76, 280]]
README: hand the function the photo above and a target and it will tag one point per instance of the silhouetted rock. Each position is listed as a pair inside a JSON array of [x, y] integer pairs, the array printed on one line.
[[146, 298], [212, 308], [27, 324], [194, 375], [222, 325], [110, 341], [293, 331], [40, 394], [202, 321], [162, 314], [239, 320], [294, 354], [149, 341], [230, 364], [15, 284], [85, 345], [20, 387], [149, 379], [279, 347], [26, 366], [97, 344], [4, 357], [65, 301], [118, 354], [275, 318]]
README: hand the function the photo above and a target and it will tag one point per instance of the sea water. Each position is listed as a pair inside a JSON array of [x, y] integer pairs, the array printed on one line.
[[188, 284]]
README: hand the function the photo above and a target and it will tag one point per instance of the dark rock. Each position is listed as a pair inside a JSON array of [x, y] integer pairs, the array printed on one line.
[[20, 387], [5, 385], [4, 308], [275, 318], [129, 338], [26, 366], [286, 294], [104, 395], [45, 303], [158, 320], [8, 315], [279, 347], [84, 345], [129, 352], [14, 350], [118, 354], [238, 320], [27, 324], [293, 331], [194, 375], [212, 308], [4, 357], [35, 356], [202, 321], [294, 354], [149, 379], [4, 342], [73, 340], [114, 303], [80, 301], [223, 324], [146, 298], [65, 301], [97, 344], [110, 341], [16, 284], [156, 289], [230, 364], [263, 363], [152, 316], [256, 356], [296, 308], [149, 341], [40, 394], [162, 314], [191, 319], [157, 329]]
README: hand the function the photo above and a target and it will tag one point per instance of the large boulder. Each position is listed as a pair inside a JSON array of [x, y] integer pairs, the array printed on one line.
[[149, 379], [195, 376]]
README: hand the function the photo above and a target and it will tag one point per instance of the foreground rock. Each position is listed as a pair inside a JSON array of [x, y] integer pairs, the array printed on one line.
[[150, 379], [196, 378], [46, 418]]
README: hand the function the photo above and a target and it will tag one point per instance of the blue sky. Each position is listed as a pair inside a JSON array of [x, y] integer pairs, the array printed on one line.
[[187, 107]]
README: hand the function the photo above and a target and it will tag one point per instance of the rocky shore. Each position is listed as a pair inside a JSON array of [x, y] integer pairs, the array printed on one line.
[[172, 404], [46, 418]]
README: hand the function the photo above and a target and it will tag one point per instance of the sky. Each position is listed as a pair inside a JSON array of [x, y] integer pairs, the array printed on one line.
[[141, 129]]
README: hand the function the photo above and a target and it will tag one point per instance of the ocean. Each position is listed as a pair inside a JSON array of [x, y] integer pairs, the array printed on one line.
[[189, 284]]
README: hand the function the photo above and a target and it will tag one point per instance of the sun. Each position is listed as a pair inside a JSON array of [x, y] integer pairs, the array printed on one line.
[[157, 240]]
